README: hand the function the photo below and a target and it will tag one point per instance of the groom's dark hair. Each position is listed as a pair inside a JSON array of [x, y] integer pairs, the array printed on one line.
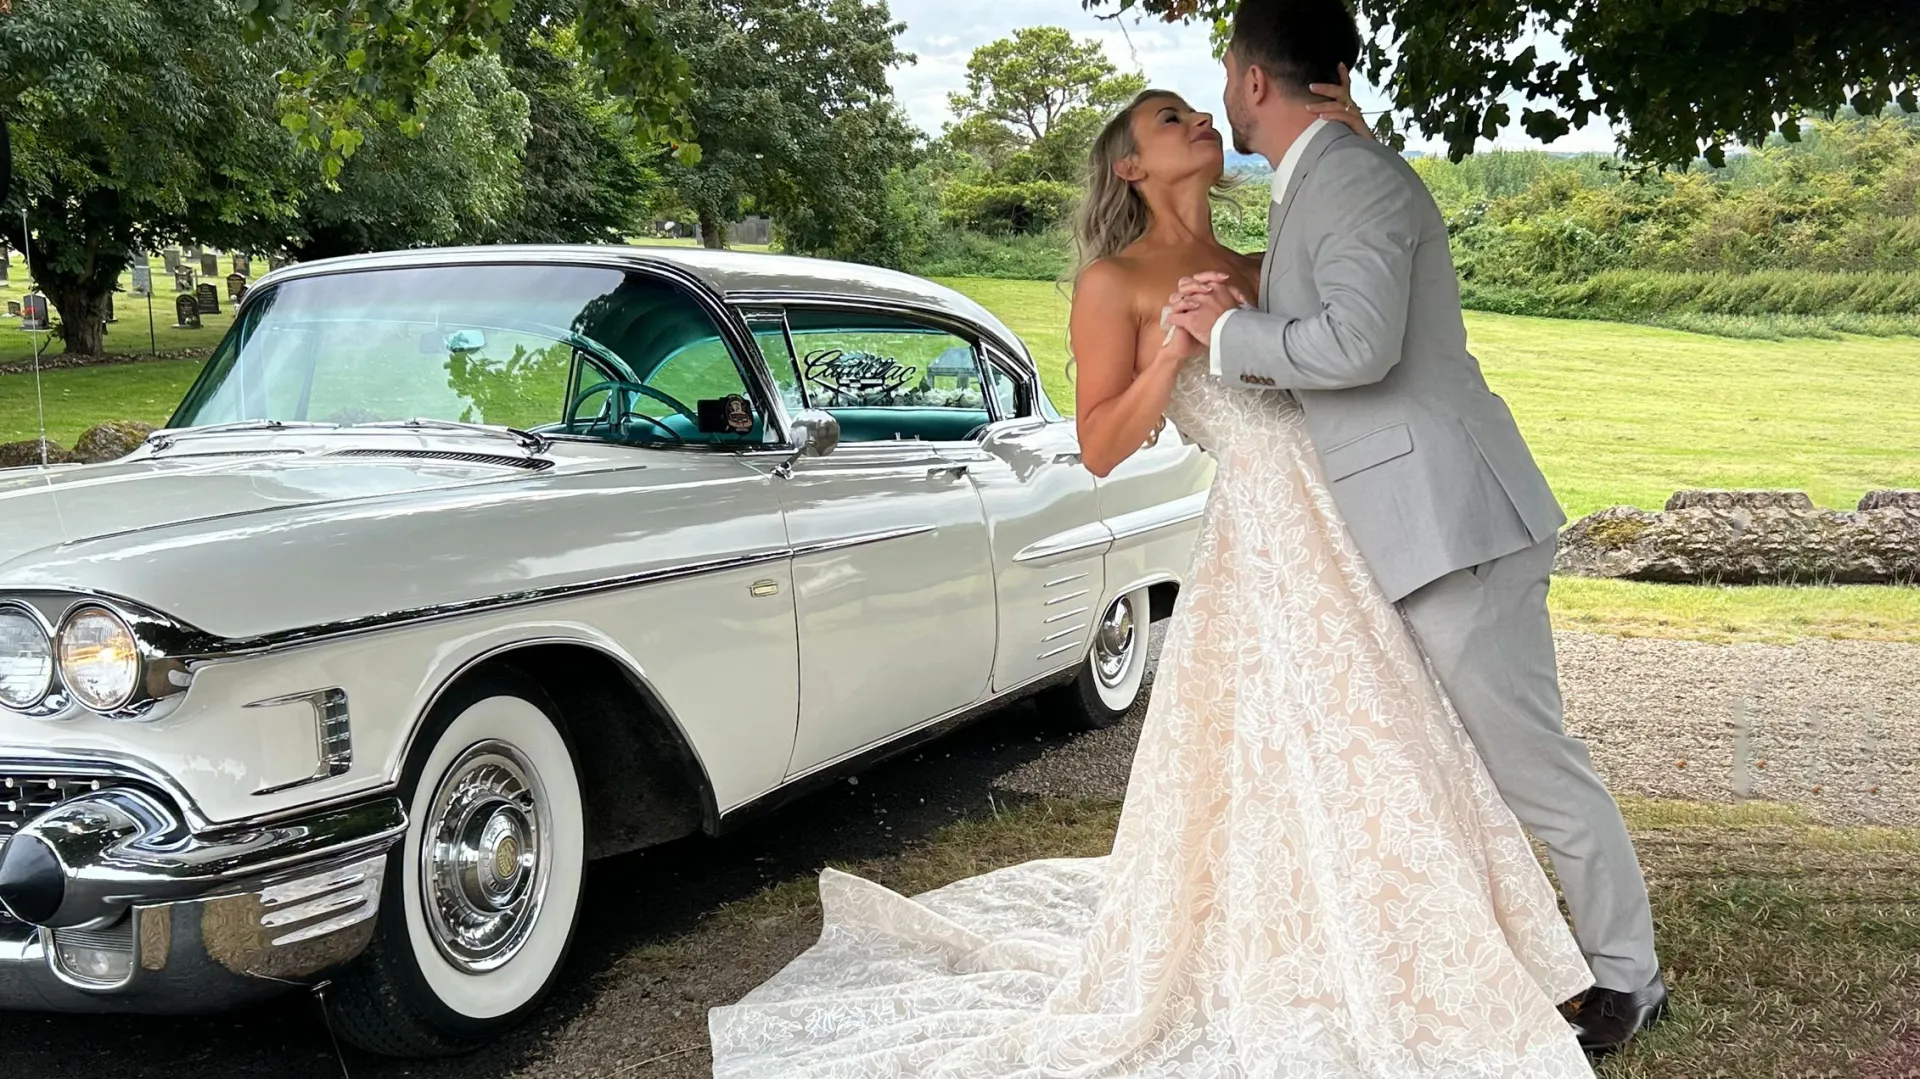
[[1296, 42]]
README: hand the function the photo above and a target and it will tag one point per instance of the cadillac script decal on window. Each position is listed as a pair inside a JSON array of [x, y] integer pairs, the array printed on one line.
[[856, 378]]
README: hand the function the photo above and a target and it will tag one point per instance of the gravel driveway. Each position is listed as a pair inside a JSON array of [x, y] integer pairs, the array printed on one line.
[[1830, 725], [1831, 720]]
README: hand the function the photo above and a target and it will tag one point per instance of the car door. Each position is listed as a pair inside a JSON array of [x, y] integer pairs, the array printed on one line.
[[1049, 544], [893, 582]]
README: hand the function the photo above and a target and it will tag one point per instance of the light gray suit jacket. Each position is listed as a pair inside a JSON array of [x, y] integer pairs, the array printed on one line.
[[1360, 319]]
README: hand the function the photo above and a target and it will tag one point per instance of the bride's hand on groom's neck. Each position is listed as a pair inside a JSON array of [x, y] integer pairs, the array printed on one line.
[[1339, 107]]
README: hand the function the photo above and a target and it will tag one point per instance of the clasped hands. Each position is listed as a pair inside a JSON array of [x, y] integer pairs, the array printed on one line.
[[1197, 303]]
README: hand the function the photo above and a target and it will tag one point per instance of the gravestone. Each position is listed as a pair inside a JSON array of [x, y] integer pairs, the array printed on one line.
[[142, 278], [186, 314], [13, 308], [110, 317], [171, 260], [183, 279], [190, 252], [33, 312], [208, 298], [279, 261], [6, 259], [236, 286], [209, 265], [243, 265], [238, 295]]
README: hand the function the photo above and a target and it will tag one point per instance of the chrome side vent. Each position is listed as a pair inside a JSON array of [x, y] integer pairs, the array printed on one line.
[[527, 464], [332, 730], [1064, 623]]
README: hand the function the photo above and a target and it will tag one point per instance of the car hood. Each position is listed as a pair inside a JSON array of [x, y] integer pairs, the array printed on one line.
[[70, 505], [263, 538]]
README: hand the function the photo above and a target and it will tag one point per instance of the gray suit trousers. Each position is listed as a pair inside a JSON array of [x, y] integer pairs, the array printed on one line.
[[1486, 631]]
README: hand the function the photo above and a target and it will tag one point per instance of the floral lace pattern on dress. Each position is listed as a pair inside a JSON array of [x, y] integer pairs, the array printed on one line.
[[1313, 878]]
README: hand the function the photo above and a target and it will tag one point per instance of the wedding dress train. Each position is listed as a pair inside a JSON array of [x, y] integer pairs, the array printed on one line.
[[1313, 875]]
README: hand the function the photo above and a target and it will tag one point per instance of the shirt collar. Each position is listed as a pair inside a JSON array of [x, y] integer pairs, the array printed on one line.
[[1283, 172]]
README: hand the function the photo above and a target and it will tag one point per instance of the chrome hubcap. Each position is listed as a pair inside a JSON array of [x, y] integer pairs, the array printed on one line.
[[483, 872], [1113, 644]]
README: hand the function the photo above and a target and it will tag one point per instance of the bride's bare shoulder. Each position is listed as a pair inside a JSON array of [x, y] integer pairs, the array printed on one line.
[[1108, 281]]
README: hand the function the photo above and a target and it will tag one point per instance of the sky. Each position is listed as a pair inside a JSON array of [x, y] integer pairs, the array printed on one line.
[[944, 33]]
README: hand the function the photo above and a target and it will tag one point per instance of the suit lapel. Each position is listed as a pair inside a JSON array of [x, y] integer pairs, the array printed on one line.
[[1277, 216]]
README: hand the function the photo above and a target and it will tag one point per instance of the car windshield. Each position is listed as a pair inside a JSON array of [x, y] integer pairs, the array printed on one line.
[[557, 350]]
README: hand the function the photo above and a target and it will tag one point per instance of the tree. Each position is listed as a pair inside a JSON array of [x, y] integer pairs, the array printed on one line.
[[1682, 77], [377, 59], [1029, 82], [585, 175], [457, 180], [137, 123], [793, 114], [1033, 104]]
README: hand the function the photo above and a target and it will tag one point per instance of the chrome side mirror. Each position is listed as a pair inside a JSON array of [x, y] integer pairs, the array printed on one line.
[[816, 433]]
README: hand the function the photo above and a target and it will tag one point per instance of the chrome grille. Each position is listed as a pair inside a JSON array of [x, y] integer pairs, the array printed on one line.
[[25, 795]]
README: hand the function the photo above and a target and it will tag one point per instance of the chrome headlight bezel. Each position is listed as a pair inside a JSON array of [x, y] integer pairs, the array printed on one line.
[[49, 692], [166, 651], [135, 656]]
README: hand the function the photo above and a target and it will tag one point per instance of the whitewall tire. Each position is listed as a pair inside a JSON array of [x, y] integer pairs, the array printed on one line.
[[483, 892], [1109, 682]]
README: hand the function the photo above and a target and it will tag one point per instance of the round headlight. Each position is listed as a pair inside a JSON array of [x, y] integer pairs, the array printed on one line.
[[26, 660], [99, 659]]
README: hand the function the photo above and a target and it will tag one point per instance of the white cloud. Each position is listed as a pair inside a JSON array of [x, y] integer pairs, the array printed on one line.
[[1179, 57]]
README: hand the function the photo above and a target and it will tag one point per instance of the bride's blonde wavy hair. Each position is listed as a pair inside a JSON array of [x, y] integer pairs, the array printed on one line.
[[1112, 215]]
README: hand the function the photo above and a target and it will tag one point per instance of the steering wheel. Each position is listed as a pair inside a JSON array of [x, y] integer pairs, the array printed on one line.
[[621, 386]]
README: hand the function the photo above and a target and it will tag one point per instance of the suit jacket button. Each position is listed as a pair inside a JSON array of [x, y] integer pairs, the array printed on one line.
[[1248, 379]]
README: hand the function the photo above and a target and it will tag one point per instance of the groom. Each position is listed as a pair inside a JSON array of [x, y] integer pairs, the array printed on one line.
[[1360, 320]]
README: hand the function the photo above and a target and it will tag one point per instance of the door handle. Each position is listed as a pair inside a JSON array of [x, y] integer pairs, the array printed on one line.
[[949, 472]]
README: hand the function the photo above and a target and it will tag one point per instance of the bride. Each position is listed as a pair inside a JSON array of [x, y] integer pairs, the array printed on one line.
[[1313, 875]]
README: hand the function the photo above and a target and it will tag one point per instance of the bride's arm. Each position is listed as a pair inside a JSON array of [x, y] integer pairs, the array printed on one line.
[[1116, 408]]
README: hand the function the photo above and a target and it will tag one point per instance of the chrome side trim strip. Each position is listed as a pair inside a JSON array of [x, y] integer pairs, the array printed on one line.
[[1064, 615], [1068, 598], [1058, 581], [860, 540], [1068, 632], [1087, 537], [1068, 647], [1137, 523]]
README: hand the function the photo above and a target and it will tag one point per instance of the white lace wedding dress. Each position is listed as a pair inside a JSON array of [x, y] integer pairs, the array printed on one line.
[[1313, 875]]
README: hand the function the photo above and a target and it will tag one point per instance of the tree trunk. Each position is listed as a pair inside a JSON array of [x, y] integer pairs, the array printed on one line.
[[713, 233], [83, 318]]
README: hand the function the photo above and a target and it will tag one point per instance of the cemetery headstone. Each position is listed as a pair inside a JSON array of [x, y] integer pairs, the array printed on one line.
[[171, 260], [190, 252], [236, 286], [13, 308], [243, 264], [33, 312], [208, 298], [183, 279], [279, 261], [186, 313], [142, 278], [110, 317], [209, 265], [6, 259]]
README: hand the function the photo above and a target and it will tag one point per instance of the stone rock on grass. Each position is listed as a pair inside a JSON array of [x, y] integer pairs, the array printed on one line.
[[1891, 500], [1724, 542], [27, 454], [1740, 500], [111, 441]]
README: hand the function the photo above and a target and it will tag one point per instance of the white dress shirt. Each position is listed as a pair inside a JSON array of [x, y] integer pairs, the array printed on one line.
[[1282, 177]]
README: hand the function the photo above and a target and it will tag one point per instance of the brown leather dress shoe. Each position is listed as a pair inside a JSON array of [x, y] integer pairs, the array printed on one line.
[[1606, 1019]]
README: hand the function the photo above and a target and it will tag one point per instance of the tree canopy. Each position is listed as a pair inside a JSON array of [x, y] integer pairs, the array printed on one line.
[[793, 114], [1681, 78]]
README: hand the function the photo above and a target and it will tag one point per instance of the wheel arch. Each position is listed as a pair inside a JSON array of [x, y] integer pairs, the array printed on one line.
[[641, 780]]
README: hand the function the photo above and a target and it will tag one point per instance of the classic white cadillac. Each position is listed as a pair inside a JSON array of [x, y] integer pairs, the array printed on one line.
[[458, 568]]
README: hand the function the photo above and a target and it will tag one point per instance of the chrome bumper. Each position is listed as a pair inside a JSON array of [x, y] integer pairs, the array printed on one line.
[[112, 905]]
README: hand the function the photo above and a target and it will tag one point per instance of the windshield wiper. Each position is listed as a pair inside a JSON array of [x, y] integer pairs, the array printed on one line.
[[160, 440], [531, 442]]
